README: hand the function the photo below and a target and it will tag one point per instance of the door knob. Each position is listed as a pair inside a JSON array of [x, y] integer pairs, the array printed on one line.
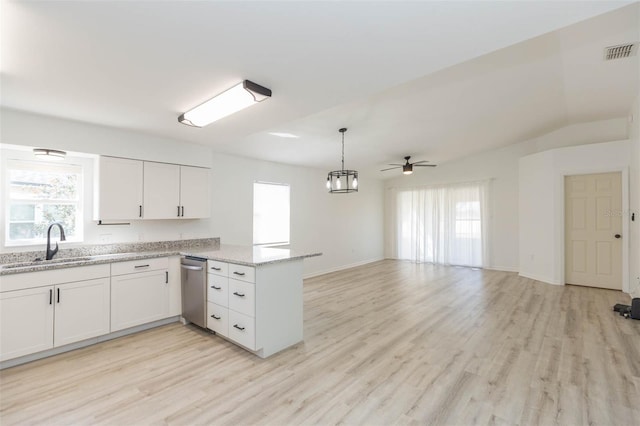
[[618, 236]]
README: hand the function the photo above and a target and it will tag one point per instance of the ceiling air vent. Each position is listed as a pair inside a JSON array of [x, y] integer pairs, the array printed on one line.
[[620, 51]]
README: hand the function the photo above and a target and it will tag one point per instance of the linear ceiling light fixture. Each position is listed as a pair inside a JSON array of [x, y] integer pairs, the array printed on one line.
[[240, 96], [53, 154], [342, 181]]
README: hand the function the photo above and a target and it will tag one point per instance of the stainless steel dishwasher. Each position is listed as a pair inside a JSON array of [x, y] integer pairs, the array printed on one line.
[[194, 290]]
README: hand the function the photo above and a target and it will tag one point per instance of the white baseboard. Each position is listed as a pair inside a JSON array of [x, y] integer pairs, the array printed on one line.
[[341, 268], [502, 268], [542, 279]]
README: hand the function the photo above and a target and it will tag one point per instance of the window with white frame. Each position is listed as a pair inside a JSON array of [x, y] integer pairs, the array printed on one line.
[[270, 213], [38, 194]]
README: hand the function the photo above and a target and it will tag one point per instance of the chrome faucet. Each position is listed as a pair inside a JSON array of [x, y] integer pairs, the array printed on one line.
[[51, 253]]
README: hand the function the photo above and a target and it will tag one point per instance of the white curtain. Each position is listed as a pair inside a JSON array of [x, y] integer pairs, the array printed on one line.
[[446, 224]]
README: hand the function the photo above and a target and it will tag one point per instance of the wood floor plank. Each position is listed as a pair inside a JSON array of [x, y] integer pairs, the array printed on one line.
[[386, 343]]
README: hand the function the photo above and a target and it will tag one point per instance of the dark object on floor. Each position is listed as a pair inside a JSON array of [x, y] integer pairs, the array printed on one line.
[[627, 311]]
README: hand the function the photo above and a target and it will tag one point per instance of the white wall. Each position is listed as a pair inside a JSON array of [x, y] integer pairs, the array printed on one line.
[[501, 166], [634, 202], [347, 228], [541, 236]]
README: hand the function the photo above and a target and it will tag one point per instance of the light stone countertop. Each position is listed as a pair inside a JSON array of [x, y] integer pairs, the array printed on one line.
[[251, 256], [242, 255]]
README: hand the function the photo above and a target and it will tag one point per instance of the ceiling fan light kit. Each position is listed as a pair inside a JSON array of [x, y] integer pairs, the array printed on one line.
[[342, 181], [407, 167], [240, 96]]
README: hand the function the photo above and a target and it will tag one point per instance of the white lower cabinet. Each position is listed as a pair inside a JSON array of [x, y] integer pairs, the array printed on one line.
[[42, 318], [231, 307], [139, 298], [26, 322], [81, 311]]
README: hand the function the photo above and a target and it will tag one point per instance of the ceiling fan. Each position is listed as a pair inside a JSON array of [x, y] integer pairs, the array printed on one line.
[[407, 168]]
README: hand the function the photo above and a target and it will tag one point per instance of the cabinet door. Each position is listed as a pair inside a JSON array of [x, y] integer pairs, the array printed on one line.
[[138, 299], [195, 193], [26, 322], [175, 287], [161, 190], [119, 189], [81, 311]]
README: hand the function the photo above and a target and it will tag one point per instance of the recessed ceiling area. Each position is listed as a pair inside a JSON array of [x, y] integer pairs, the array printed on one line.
[[434, 80]]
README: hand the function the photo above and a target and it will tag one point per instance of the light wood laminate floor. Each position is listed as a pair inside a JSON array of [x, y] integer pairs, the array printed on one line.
[[385, 343]]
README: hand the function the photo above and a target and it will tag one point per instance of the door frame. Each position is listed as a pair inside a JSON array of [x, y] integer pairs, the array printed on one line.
[[560, 216]]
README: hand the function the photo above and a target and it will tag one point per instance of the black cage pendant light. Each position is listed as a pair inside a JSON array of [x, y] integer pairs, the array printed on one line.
[[342, 181]]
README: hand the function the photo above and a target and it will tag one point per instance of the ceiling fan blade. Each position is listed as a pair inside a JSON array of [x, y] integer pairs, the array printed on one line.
[[390, 168], [394, 164], [424, 165], [418, 162]]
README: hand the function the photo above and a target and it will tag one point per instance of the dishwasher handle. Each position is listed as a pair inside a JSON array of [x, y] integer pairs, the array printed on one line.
[[191, 268]]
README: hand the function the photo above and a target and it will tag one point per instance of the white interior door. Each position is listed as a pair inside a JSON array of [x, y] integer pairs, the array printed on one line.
[[593, 230]]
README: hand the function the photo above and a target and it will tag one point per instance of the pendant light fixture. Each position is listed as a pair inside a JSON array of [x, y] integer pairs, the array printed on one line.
[[342, 181], [240, 96]]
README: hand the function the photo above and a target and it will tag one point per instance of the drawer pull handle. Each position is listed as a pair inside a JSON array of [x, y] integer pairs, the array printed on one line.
[[166, 277], [141, 266], [239, 273], [50, 296], [216, 288], [216, 269], [238, 294], [215, 317], [238, 327]]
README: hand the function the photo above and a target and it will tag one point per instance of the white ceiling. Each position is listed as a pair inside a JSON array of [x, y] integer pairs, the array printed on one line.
[[435, 80]]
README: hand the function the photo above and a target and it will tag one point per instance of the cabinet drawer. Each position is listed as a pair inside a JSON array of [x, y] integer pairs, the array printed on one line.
[[218, 289], [242, 297], [218, 268], [142, 265], [242, 329], [218, 319], [243, 273]]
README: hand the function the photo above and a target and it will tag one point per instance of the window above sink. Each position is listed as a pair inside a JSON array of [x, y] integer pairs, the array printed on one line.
[[36, 193]]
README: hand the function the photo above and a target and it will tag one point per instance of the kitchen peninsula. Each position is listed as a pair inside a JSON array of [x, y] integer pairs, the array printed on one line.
[[95, 295]]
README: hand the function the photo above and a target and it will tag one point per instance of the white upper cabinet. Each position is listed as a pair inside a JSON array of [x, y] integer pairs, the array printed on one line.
[[161, 190], [132, 189], [195, 197], [119, 192]]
